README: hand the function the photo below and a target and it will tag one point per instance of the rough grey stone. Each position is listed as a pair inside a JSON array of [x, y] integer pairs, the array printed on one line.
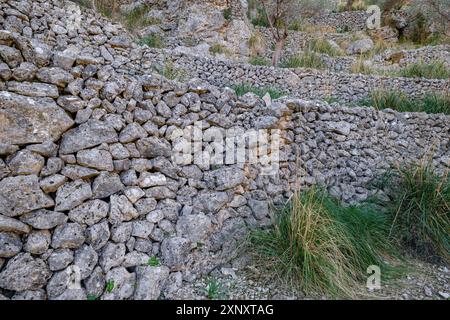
[[85, 259], [72, 194], [10, 244], [87, 135], [106, 184], [194, 227], [142, 229], [122, 232], [98, 235], [95, 158], [121, 210], [60, 259], [89, 212], [174, 251], [112, 256], [26, 162], [44, 219], [25, 120], [123, 283], [38, 242], [56, 76], [34, 89], [152, 147], [21, 194], [23, 272], [8, 224]]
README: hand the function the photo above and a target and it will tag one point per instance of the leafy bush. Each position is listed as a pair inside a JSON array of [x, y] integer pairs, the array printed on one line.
[[243, 89], [391, 99], [320, 246], [432, 70], [419, 207], [307, 59]]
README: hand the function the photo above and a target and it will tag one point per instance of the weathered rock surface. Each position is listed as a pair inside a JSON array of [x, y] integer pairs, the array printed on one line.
[[25, 120], [21, 194]]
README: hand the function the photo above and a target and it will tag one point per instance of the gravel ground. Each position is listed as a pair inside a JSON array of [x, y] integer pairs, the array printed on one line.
[[422, 281]]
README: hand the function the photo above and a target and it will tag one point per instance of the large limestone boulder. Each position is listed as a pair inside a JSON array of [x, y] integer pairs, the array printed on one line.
[[201, 18], [26, 120], [22, 194]]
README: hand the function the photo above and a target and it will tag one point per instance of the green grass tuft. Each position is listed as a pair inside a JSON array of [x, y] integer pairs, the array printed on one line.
[[260, 92], [432, 70], [320, 246]]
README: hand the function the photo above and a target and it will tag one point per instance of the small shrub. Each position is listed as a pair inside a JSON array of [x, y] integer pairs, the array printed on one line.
[[307, 59], [420, 210], [91, 297], [391, 99], [259, 61], [243, 89], [137, 18], [153, 41], [320, 246], [432, 70]]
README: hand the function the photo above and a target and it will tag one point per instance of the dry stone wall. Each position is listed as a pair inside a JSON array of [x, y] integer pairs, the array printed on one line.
[[89, 190], [303, 83]]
